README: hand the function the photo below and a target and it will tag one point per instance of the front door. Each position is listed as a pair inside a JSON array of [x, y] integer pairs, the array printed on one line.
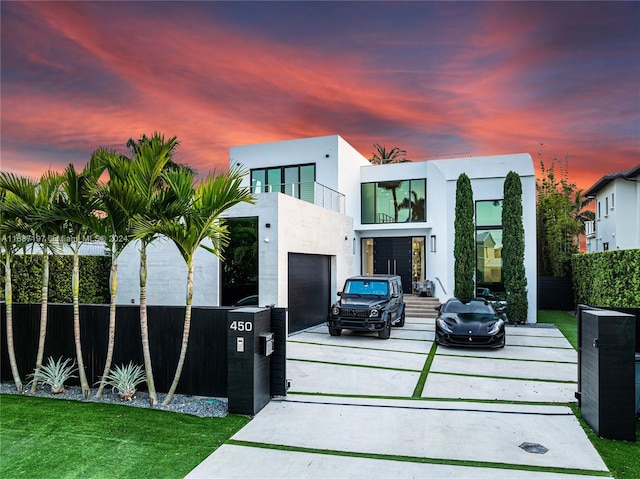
[[393, 256]]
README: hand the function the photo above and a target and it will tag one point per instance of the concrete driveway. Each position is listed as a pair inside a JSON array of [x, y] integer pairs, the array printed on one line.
[[357, 408]]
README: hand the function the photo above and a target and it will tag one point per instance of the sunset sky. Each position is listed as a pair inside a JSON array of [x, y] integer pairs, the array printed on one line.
[[437, 79]]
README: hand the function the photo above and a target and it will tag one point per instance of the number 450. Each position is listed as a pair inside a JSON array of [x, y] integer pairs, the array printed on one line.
[[241, 326]]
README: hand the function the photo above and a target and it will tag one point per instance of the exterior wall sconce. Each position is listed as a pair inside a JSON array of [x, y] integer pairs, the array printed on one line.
[[266, 240], [432, 244]]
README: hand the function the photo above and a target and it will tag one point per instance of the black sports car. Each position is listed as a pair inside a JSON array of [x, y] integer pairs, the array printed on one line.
[[469, 322]]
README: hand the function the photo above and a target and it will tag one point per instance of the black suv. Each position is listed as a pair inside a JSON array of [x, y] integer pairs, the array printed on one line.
[[368, 303]]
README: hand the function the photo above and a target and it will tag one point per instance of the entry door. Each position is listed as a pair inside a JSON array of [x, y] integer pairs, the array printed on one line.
[[393, 256]]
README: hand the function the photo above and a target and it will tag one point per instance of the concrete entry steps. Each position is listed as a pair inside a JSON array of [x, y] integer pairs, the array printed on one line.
[[355, 410], [420, 306]]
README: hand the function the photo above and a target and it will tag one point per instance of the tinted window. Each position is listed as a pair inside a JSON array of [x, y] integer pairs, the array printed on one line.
[[366, 287]]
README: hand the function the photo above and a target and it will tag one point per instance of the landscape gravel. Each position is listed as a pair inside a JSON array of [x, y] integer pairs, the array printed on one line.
[[195, 405]]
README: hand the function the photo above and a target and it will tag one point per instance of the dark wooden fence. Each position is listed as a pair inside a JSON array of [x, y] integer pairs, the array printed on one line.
[[205, 369], [556, 293]]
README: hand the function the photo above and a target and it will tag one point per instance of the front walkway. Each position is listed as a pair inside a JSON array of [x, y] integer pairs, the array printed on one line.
[[357, 408]]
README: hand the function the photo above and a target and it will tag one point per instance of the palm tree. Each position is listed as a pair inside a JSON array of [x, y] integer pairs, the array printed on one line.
[[76, 206], [12, 239], [151, 200], [382, 156], [35, 202], [116, 201], [201, 221]]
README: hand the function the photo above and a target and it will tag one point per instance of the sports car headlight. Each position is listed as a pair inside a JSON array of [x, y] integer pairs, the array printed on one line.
[[335, 311], [494, 327], [374, 313], [443, 325]]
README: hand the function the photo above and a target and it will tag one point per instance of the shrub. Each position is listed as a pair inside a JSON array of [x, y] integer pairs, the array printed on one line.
[[464, 249], [515, 279], [54, 374], [124, 379], [607, 278], [26, 273]]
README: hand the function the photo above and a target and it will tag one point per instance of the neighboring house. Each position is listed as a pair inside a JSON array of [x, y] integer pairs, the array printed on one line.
[[325, 213], [617, 222]]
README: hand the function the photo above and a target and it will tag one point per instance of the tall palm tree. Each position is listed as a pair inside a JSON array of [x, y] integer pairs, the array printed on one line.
[[150, 200], [382, 156], [200, 221], [116, 202], [12, 239], [75, 206], [35, 202]]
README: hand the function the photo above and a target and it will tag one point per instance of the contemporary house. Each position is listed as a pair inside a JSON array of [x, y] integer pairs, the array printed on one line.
[[617, 222], [324, 213]]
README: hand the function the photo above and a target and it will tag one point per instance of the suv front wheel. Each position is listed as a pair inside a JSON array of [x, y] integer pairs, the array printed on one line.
[[385, 332], [335, 331]]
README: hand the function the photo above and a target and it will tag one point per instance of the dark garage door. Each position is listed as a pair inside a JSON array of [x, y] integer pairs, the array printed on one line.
[[309, 294]]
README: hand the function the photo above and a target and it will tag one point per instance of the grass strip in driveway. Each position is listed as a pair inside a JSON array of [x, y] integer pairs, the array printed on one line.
[[348, 346], [445, 373], [417, 392], [44, 437], [368, 366], [421, 460]]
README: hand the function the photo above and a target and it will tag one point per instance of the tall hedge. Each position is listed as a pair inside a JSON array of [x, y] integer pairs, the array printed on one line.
[[464, 249], [26, 279], [515, 279], [607, 278]]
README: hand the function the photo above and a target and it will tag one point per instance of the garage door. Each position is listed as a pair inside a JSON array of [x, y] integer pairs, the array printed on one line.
[[309, 290]]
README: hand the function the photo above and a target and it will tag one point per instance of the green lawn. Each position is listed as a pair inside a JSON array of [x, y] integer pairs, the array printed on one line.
[[42, 438], [621, 457]]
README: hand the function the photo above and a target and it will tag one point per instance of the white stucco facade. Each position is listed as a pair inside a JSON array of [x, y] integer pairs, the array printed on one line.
[[617, 220], [291, 225]]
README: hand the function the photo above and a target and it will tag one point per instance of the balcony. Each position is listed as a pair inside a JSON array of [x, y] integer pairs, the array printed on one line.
[[311, 192]]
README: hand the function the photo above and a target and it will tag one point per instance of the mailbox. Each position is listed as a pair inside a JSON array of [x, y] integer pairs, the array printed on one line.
[[266, 344]]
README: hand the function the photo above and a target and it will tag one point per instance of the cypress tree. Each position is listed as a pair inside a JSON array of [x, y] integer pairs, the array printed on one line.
[[515, 280], [464, 251]]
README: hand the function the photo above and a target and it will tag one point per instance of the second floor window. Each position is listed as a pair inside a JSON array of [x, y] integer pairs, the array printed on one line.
[[293, 180], [398, 201]]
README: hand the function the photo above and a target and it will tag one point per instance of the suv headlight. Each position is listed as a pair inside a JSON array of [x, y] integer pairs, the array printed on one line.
[[374, 313], [335, 310]]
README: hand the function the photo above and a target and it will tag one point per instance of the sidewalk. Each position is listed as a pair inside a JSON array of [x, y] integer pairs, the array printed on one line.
[[354, 410]]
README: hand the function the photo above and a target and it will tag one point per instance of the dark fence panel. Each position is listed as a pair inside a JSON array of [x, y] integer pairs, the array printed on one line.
[[279, 358], [555, 293], [205, 369]]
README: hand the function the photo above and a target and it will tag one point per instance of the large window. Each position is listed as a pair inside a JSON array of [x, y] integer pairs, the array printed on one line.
[[293, 180], [489, 244], [397, 201]]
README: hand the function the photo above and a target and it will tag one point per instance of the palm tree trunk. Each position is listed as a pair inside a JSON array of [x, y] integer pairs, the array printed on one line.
[[8, 297], [144, 327], [43, 316], [185, 335], [113, 287], [75, 285]]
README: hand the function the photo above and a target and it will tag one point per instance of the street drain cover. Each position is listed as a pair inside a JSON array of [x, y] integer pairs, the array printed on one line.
[[533, 448]]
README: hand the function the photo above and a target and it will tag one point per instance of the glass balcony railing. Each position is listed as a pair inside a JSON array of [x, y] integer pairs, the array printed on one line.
[[311, 192]]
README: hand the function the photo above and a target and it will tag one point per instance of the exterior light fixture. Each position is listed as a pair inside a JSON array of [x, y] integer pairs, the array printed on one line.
[[433, 244]]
